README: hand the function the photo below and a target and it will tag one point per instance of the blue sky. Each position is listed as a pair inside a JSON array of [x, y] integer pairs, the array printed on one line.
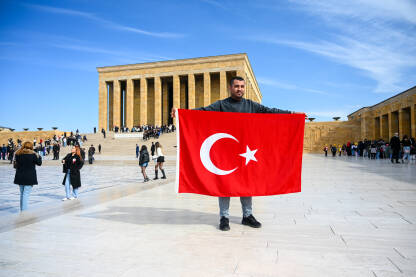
[[323, 57]]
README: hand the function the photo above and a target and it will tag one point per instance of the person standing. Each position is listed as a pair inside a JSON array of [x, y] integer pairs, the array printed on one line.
[[72, 163], [3, 152], [137, 151], [395, 147], [99, 148], [406, 148], [91, 152], [25, 163], [159, 161], [152, 149], [55, 150], [236, 103], [144, 162]]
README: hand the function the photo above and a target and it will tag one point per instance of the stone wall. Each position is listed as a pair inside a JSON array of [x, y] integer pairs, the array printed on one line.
[[319, 134], [28, 135]]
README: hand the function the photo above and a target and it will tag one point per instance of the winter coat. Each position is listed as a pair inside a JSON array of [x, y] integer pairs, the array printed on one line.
[[74, 168], [144, 157], [25, 165], [395, 143]]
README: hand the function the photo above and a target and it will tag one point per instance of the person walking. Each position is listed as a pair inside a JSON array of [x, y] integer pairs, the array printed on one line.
[[159, 161], [144, 161], [236, 103], [395, 147], [25, 163], [99, 148], [72, 163]]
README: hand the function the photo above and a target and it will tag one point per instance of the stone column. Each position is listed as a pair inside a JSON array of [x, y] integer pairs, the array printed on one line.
[[165, 109], [182, 96], [191, 91], [143, 101], [158, 102], [102, 105], [117, 104], [207, 89], [401, 123], [176, 92], [223, 85], [129, 103], [242, 74], [412, 121], [390, 125], [381, 125]]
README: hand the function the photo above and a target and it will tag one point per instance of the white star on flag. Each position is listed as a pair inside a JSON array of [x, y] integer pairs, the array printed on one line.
[[249, 155]]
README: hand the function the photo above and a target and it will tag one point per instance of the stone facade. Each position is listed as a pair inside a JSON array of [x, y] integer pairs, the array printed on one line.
[[139, 94], [393, 115], [28, 136]]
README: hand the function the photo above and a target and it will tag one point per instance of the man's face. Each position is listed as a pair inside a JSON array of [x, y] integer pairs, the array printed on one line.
[[237, 89]]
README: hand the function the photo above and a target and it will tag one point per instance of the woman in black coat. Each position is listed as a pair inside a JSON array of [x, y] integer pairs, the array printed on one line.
[[72, 163], [25, 163], [144, 161]]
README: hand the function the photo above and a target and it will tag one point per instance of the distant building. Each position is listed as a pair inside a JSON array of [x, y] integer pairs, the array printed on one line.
[[393, 115], [380, 121]]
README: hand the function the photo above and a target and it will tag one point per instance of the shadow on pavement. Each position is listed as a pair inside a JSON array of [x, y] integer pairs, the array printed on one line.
[[151, 215]]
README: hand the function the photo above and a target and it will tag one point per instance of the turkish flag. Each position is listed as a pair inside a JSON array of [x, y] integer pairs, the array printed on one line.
[[239, 154]]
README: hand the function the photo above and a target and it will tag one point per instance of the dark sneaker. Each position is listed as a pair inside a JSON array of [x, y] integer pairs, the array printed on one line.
[[251, 221], [224, 224]]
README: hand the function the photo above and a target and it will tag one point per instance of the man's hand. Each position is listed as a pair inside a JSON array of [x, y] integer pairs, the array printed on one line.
[[306, 116], [173, 112]]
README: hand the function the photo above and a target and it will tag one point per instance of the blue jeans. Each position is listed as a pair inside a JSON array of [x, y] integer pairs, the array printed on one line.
[[68, 186], [406, 152], [24, 196], [224, 203]]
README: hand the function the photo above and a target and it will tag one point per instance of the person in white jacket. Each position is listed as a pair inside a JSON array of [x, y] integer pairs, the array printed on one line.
[[159, 162]]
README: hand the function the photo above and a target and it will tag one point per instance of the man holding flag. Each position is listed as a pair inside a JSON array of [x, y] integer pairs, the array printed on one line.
[[245, 184]]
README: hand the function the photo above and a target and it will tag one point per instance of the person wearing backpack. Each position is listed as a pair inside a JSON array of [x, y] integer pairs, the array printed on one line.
[[144, 161]]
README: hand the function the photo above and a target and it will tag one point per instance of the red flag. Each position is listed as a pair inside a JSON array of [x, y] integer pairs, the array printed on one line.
[[239, 154]]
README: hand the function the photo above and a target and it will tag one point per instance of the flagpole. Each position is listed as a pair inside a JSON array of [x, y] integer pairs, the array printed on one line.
[[177, 151]]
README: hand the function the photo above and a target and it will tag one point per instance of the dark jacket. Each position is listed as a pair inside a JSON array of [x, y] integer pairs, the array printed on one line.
[[74, 167], [144, 157], [395, 143], [243, 106], [26, 168]]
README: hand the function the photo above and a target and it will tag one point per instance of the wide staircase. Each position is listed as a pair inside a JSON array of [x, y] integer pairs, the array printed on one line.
[[123, 150]]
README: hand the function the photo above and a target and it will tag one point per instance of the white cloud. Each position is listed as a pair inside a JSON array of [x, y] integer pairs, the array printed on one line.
[[286, 86], [370, 35], [105, 23], [397, 10]]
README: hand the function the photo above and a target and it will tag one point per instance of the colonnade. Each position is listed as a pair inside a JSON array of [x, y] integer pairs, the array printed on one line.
[[148, 100], [401, 120]]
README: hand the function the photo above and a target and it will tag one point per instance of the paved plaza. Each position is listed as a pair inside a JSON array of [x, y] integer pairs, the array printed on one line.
[[354, 217]]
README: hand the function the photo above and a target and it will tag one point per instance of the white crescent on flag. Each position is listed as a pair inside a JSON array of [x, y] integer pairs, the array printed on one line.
[[206, 148]]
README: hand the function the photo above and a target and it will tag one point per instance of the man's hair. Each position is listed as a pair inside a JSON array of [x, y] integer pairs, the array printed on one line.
[[235, 78]]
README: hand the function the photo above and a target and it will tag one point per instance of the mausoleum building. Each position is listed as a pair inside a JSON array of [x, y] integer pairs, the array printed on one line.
[[144, 94]]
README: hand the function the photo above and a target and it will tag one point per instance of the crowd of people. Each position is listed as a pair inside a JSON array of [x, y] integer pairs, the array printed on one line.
[[395, 149], [149, 131], [25, 156]]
